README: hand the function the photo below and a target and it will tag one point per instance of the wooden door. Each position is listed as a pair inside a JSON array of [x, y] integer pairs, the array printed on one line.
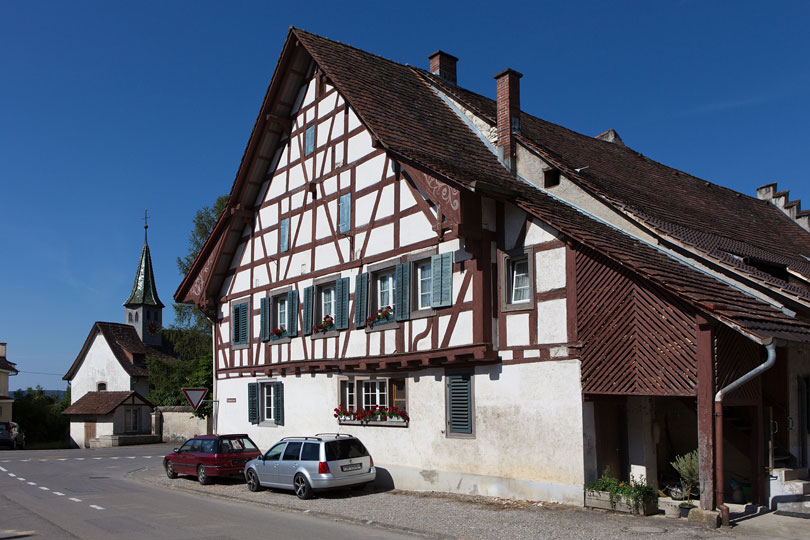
[[89, 433]]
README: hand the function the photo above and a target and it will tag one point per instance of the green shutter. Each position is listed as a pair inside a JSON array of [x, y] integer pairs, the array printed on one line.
[[447, 279], [244, 318], [309, 140], [342, 304], [235, 325], [292, 313], [306, 323], [253, 403], [441, 280], [459, 403], [284, 235], [360, 299], [278, 402], [265, 319], [402, 285], [345, 213]]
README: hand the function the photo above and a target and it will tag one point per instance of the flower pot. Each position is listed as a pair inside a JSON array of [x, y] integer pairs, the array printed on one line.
[[685, 510], [601, 499], [672, 510]]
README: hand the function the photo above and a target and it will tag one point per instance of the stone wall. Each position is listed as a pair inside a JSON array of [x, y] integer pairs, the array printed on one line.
[[179, 423]]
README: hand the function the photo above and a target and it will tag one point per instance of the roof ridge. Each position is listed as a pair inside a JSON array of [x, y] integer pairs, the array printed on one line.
[[353, 47]]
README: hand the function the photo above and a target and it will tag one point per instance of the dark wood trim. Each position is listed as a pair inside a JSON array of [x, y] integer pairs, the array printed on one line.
[[571, 293], [705, 412]]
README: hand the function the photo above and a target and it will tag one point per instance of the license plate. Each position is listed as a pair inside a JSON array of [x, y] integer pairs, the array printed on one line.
[[351, 467]]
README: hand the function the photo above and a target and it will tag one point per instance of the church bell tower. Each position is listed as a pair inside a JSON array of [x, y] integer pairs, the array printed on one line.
[[144, 310]]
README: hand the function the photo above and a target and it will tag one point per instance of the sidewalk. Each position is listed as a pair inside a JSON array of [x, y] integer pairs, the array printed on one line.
[[449, 516]]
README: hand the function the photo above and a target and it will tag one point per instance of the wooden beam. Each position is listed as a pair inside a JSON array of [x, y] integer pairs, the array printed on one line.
[[705, 411]]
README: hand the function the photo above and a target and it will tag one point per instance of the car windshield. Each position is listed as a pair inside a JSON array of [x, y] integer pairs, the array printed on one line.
[[237, 444], [345, 449]]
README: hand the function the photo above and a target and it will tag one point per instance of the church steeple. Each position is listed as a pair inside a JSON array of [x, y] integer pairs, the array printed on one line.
[[144, 310]]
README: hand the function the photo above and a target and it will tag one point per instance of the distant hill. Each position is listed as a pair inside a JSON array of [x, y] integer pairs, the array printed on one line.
[[58, 394]]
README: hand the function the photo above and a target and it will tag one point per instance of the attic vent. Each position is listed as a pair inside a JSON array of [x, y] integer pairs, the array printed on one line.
[[781, 199], [551, 178], [611, 136]]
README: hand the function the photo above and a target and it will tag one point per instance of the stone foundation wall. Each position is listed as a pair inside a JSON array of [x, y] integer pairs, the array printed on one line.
[[179, 423]]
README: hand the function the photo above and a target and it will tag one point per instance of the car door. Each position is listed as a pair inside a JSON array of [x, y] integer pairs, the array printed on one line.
[[184, 457], [289, 464], [267, 468]]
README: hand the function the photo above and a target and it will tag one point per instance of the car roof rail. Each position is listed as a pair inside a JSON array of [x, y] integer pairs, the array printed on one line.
[[315, 438], [337, 435]]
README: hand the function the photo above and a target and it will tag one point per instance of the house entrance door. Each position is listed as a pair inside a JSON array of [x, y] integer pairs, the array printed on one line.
[[89, 433]]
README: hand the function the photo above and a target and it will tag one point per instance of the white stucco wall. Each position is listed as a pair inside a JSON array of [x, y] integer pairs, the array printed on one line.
[[99, 365], [528, 430]]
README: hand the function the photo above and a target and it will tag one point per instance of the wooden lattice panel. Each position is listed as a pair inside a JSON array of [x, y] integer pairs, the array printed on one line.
[[636, 340], [736, 356]]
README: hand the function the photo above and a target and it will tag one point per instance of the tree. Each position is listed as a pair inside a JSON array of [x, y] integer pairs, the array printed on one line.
[[185, 315], [40, 415]]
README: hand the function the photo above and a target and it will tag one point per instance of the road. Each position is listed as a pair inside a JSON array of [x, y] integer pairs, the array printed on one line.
[[67, 494]]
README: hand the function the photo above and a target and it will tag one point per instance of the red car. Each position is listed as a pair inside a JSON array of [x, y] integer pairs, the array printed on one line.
[[206, 456]]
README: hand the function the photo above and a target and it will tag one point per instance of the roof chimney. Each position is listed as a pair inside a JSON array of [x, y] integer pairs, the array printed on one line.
[[781, 199], [2, 350], [443, 65], [508, 89]]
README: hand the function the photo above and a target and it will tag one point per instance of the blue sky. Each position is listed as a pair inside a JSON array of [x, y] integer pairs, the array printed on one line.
[[108, 108]]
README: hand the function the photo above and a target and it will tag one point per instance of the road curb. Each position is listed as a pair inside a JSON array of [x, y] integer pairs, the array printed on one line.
[[292, 509]]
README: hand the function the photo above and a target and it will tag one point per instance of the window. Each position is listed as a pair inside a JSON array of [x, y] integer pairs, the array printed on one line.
[[309, 140], [311, 452], [292, 452], [266, 403], [516, 280], [130, 316], [275, 453], [519, 280], [326, 296], [136, 316], [101, 387], [131, 417], [551, 178], [423, 285], [459, 395], [240, 324], [386, 290], [284, 235], [280, 312], [365, 393]]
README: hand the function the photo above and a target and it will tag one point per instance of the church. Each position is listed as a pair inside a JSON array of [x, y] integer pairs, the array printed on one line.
[[109, 382]]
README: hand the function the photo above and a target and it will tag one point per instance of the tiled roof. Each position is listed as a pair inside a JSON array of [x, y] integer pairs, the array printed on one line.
[[101, 402], [144, 291], [412, 121], [125, 344], [6, 365]]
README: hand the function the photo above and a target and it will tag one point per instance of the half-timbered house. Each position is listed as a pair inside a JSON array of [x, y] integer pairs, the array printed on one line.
[[542, 304]]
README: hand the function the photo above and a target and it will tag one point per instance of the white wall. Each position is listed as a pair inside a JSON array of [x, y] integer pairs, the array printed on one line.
[[99, 365]]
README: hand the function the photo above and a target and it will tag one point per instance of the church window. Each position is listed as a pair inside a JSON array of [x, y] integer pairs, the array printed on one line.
[[101, 387]]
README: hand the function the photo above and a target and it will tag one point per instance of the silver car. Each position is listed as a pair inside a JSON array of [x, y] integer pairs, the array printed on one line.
[[308, 464]]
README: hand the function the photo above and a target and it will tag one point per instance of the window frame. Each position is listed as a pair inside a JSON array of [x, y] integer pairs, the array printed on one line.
[[358, 382], [416, 260], [456, 435], [131, 413], [275, 296], [262, 386], [374, 272], [317, 306], [99, 386], [235, 345], [506, 262]]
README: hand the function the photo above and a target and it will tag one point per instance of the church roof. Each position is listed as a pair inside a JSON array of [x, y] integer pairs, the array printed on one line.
[[5, 365], [102, 402], [144, 291], [125, 344]]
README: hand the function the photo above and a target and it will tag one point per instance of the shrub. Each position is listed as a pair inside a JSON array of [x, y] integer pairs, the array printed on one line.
[[633, 492], [688, 466]]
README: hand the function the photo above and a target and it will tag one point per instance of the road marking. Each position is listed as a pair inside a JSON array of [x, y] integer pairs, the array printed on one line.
[[147, 457], [130, 457], [61, 459], [25, 460], [32, 483], [6, 461], [79, 459], [11, 474], [59, 493], [2, 469], [21, 479], [43, 460], [74, 499], [96, 507], [97, 458], [43, 488], [114, 457]]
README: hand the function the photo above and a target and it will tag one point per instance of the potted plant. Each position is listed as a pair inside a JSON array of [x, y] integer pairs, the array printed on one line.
[[634, 496], [328, 323], [688, 467], [277, 333], [383, 315], [375, 413]]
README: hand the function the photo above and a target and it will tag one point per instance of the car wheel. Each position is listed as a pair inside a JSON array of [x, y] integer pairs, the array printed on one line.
[[202, 476], [253, 481], [302, 487], [170, 470]]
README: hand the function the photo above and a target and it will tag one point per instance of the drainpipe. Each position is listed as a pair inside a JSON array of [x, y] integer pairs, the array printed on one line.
[[718, 423]]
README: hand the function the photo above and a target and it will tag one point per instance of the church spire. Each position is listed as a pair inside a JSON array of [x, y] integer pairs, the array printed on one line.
[[144, 291]]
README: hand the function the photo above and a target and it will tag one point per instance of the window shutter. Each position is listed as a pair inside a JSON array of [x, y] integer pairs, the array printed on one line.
[[345, 218], [402, 280], [309, 140], [265, 319], [459, 403], [360, 299], [284, 235], [292, 313], [441, 276], [253, 403], [244, 323], [342, 304], [235, 325], [309, 294], [278, 402]]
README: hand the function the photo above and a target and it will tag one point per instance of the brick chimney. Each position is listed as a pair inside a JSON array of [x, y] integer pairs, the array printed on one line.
[[508, 89], [781, 199], [443, 65]]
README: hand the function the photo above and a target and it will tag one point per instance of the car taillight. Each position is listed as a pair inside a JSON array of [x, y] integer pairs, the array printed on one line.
[[371, 461], [323, 467]]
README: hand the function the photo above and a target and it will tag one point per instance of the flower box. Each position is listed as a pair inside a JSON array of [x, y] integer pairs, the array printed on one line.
[[601, 499]]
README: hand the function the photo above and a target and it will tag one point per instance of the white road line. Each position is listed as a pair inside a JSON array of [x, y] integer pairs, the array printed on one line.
[[25, 460], [59, 493], [74, 499], [147, 457], [97, 458], [61, 459], [11, 474], [32, 483], [43, 460], [114, 457], [43, 488], [96, 507], [79, 459], [130, 457], [2, 469], [6, 461], [21, 479]]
